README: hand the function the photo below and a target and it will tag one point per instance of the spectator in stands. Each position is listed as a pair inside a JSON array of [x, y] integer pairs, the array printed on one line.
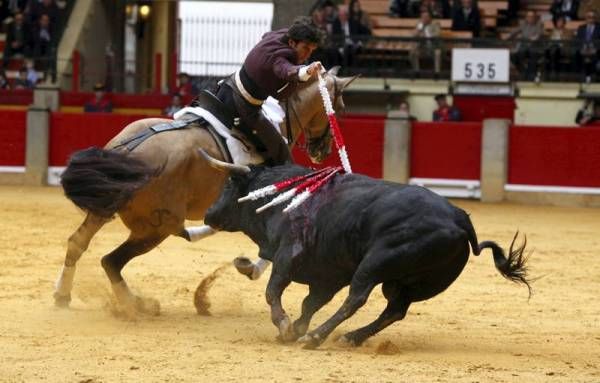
[[327, 52], [330, 14], [587, 5], [439, 9], [21, 80], [556, 48], [8, 8], [356, 15], [403, 112], [466, 17], [399, 8], [565, 8], [588, 46], [42, 43], [184, 88], [589, 114], [16, 38], [428, 31], [445, 112], [176, 105], [35, 10], [405, 8], [4, 83], [100, 103], [527, 54], [346, 33], [32, 74]]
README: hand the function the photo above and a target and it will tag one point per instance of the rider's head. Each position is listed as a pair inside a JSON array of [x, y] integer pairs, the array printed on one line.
[[304, 36]]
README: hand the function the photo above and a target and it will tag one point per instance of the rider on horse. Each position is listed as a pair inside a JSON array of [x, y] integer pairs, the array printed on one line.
[[272, 68]]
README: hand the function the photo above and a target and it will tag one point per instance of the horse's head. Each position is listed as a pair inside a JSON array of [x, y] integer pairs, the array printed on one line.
[[307, 113]]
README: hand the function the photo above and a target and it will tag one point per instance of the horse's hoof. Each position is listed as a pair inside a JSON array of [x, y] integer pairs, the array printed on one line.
[[149, 306], [244, 266], [345, 341], [310, 341], [286, 330], [62, 301]]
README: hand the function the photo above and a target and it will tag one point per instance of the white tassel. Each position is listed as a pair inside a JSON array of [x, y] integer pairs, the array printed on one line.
[[260, 193], [345, 160], [297, 201], [278, 200], [325, 96]]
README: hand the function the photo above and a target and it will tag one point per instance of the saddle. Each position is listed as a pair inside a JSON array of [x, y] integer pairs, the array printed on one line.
[[214, 116]]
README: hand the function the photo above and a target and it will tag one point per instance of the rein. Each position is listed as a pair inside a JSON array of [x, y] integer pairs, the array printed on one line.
[[292, 140]]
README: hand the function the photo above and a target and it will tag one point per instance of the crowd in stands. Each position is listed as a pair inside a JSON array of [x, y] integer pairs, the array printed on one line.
[[344, 28], [542, 43], [31, 29]]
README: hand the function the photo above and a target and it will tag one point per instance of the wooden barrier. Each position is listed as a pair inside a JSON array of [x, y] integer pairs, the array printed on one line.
[[12, 138], [449, 150], [554, 156], [70, 132]]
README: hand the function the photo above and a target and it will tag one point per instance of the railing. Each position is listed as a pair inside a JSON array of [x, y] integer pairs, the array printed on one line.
[[544, 60]]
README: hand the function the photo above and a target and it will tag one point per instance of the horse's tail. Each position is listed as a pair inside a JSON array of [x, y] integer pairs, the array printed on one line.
[[513, 268], [102, 181]]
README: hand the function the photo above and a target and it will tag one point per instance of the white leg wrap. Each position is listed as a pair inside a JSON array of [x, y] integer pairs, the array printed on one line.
[[64, 283], [259, 268], [196, 233], [124, 296]]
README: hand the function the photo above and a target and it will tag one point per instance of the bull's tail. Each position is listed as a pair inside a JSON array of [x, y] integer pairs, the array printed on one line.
[[103, 181], [513, 268]]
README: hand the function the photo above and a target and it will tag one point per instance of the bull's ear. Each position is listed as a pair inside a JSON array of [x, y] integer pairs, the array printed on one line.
[[346, 81], [334, 70]]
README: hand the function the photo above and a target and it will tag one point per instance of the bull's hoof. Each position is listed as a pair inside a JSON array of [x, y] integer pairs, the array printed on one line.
[[244, 266], [300, 328], [286, 330], [310, 341], [62, 301]]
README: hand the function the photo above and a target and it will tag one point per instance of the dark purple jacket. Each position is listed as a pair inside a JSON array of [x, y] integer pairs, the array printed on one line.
[[269, 66]]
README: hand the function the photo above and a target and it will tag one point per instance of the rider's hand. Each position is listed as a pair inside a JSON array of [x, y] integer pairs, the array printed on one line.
[[314, 68]]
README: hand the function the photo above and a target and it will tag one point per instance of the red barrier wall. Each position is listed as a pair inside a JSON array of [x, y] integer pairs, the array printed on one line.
[[363, 136], [13, 132], [70, 132], [119, 100], [446, 150], [479, 108], [16, 97], [554, 156]]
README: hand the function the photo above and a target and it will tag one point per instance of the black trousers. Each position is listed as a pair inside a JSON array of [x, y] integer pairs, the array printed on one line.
[[256, 126]]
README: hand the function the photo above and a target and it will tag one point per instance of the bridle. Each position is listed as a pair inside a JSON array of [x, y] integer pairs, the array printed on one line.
[[305, 130]]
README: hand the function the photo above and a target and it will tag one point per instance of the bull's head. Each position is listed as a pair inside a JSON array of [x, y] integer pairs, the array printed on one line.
[[224, 214]]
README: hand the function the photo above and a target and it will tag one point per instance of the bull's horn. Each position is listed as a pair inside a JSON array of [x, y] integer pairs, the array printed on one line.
[[224, 166]]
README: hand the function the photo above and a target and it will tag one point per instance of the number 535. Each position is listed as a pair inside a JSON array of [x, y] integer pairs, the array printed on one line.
[[480, 70]]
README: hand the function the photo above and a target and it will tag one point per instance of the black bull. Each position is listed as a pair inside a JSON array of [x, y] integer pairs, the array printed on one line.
[[358, 231]]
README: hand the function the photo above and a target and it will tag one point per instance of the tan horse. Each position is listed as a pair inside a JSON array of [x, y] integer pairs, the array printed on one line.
[[159, 185]]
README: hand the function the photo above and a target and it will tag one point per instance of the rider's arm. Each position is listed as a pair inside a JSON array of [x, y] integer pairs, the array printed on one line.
[[289, 72]]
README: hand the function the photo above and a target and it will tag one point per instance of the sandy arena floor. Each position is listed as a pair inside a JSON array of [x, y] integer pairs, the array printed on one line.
[[482, 329]]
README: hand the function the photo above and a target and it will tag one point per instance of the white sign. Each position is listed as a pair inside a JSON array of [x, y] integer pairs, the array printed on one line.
[[480, 65]]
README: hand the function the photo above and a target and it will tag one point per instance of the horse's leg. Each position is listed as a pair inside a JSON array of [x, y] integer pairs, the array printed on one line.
[[196, 233], [243, 264], [252, 270], [77, 244], [114, 262]]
